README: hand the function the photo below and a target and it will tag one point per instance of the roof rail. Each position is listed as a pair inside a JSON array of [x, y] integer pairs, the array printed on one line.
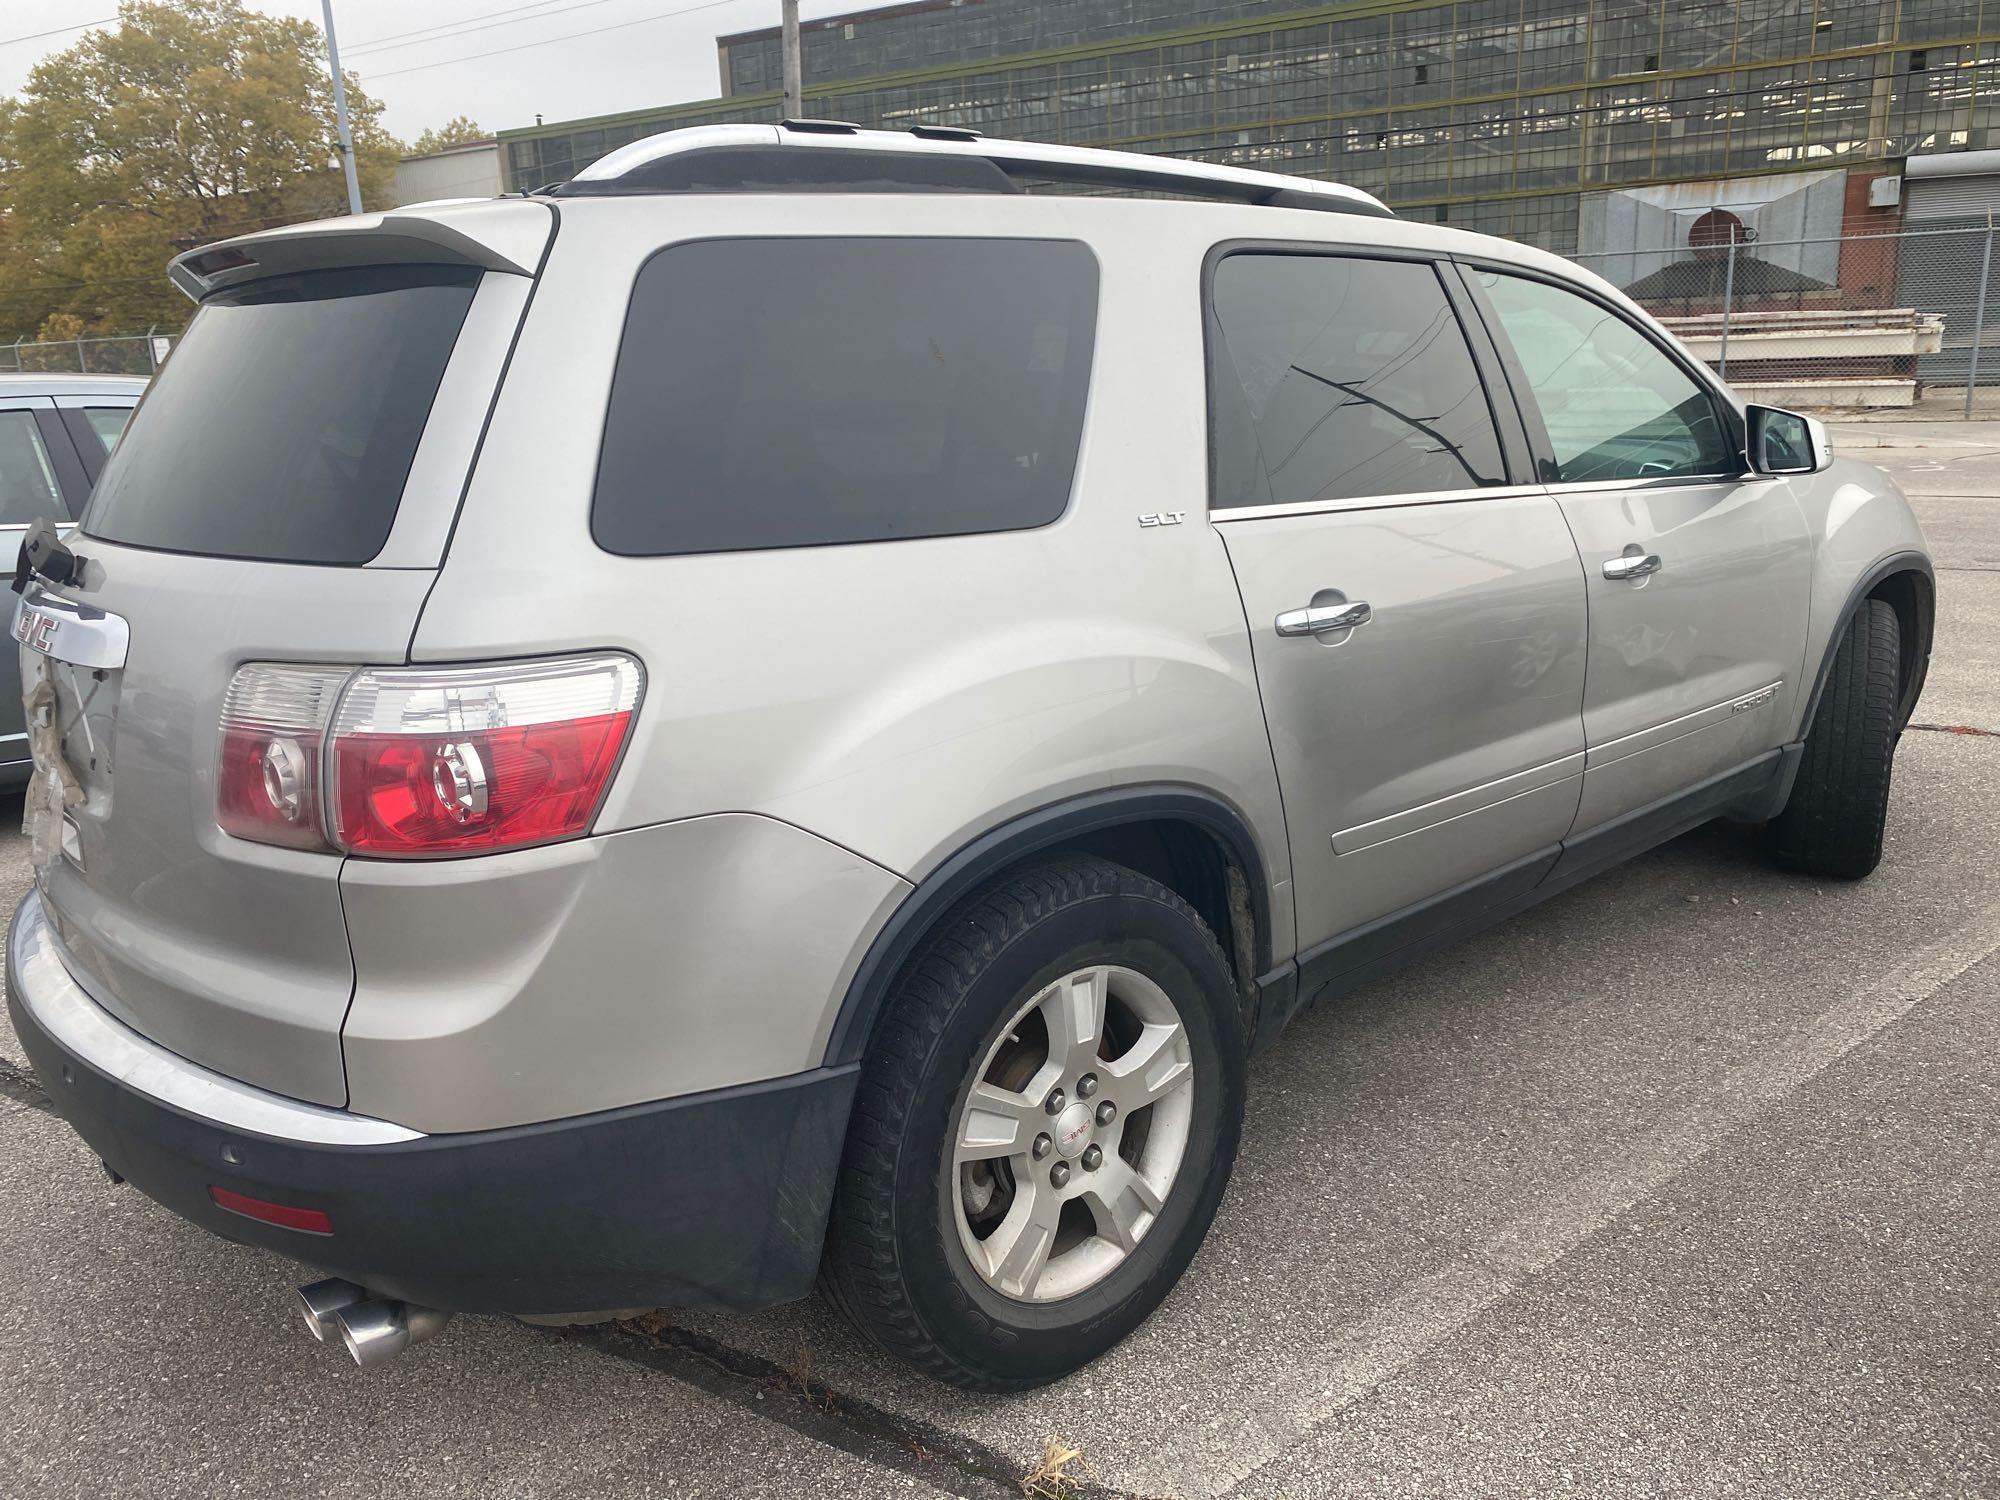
[[831, 155]]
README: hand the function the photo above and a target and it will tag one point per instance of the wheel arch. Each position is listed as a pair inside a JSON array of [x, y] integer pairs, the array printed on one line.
[[1186, 837], [1905, 581]]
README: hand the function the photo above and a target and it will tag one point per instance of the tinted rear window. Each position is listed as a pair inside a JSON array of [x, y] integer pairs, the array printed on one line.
[[794, 392], [284, 424]]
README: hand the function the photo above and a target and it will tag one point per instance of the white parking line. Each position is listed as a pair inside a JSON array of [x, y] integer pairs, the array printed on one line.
[[1427, 1312]]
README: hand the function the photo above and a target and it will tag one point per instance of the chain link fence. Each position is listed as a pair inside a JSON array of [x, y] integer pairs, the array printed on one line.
[[130, 354], [1886, 325]]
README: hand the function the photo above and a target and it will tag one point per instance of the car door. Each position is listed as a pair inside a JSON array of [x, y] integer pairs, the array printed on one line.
[[1416, 617], [41, 478], [1698, 573]]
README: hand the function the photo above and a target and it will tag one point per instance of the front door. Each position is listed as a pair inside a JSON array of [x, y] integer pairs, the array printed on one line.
[[1698, 575], [1417, 623]]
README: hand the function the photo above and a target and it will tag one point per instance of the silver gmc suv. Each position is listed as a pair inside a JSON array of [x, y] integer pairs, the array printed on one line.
[[799, 704]]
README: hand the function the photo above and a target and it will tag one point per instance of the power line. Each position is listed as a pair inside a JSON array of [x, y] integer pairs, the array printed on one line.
[[568, 36], [448, 29], [36, 36]]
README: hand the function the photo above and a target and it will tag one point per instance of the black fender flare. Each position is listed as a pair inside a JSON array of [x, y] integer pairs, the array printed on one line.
[[1917, 653], [1006, 845]]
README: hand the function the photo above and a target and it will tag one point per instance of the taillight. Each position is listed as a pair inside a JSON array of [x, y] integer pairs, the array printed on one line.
[[423, 761], [274, 724], [428, 761]]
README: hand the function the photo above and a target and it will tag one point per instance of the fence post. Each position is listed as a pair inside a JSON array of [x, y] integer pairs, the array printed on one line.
[[1979, 319], [1728, 300], [152, 358]]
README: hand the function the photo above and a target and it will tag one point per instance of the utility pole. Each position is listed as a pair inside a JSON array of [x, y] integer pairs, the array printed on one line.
[[340, 109], [795, 101]]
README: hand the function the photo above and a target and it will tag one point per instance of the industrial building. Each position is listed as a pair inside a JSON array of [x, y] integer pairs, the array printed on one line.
[[1515, 117]]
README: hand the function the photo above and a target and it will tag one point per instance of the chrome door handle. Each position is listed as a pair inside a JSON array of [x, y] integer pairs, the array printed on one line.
[[1632, 565], [1320, 618]]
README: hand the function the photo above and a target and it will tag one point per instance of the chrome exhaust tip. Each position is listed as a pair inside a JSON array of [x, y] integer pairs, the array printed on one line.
[[374, 1332], [321, 1302]]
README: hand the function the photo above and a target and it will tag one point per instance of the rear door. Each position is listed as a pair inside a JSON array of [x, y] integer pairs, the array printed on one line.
[[1426, 721], [1698, 573], [283, 496]]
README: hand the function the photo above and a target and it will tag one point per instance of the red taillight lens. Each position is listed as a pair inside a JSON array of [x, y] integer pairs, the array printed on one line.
[[423, 761], [284, 1215], [498, 788], [267, 776], [431, 762]]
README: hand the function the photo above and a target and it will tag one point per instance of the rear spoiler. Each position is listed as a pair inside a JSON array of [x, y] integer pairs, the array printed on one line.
[[504, 235]]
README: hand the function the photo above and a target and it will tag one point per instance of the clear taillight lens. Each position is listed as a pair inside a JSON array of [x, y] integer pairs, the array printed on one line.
[[274, 723], [418, 762], [428, 761]]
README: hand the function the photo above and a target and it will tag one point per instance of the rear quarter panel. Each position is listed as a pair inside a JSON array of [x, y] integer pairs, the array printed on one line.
[[896, 699]]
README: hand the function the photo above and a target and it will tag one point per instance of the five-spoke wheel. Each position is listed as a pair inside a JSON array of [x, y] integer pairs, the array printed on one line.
[[1043, 1128], [1072, 1133]]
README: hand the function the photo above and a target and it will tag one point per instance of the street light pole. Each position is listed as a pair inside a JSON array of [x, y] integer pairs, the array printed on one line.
[[340, 111], [795, 103]]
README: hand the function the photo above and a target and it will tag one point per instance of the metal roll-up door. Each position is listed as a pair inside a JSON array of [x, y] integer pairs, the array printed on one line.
[[1969, 197], [1949, 199]]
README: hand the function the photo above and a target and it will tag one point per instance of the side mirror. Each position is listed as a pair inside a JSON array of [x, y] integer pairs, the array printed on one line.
[[1787, 442]]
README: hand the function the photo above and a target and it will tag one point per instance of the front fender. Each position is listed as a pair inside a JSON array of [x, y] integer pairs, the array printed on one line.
[[1865, 535]]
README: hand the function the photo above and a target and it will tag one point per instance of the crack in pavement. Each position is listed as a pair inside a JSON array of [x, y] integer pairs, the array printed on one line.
[[1972, 729], [946, 1460]]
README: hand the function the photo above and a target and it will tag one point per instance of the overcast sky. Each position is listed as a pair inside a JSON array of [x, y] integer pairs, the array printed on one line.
[[562, 59]]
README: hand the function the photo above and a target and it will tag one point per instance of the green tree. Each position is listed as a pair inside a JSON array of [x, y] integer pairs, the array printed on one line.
[[459, 130], [189, 121]]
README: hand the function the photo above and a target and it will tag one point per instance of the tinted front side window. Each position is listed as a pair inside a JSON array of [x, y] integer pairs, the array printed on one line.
[[27, 481], [1334, 377], [793, 392], [1616, 407], [285, 423]]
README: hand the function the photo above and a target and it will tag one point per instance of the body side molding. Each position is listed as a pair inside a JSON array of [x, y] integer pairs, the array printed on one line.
[[1751, 791]]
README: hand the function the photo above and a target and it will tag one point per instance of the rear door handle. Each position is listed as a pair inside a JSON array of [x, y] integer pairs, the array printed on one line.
[[1632, 565], [1317, 619]]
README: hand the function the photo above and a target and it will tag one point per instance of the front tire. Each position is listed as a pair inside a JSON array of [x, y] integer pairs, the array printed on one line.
[[1832, 824], [1043, 1128]]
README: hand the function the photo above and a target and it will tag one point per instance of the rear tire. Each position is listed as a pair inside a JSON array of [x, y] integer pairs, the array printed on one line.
[[1832, 824], [919, 1254]]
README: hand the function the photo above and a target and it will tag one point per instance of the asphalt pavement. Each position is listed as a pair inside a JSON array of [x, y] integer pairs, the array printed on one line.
[[1684, 1183]]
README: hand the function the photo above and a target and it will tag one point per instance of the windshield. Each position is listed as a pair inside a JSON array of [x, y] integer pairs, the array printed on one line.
[[284, 425]]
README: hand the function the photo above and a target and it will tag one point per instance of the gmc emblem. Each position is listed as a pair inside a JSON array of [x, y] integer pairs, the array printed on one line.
[[36, 630]]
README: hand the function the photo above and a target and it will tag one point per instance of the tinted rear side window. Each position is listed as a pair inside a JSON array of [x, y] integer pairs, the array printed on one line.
[[284, 425], [795, 392], [1334, 377]]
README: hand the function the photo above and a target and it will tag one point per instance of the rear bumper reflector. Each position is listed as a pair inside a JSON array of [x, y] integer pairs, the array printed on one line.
[[284, 1215]]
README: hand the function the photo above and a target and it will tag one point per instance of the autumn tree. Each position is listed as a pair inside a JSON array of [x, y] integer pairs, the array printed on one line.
[[459, 130], [188, 121]]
